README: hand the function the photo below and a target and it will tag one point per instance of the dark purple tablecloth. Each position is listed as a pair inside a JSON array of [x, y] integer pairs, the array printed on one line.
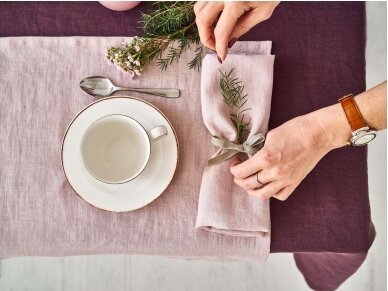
[[320, 56]]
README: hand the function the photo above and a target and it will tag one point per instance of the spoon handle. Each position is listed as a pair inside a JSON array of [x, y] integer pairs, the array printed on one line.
[[169, 93]]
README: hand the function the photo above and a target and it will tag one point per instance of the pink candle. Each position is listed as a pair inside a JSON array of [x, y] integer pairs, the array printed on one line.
[[120, 5]]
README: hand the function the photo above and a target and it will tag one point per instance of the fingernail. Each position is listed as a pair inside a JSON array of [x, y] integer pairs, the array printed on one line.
[[233, 164], [232, 42], [219, 59]]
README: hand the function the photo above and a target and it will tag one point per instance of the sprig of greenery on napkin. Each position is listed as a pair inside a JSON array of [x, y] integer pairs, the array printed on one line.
[[233, 93]]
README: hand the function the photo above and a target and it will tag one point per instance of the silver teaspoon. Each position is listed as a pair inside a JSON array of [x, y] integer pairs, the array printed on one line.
[[103, 87]]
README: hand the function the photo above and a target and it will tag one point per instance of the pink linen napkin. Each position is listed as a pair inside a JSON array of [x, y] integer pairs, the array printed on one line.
[[223, 206]]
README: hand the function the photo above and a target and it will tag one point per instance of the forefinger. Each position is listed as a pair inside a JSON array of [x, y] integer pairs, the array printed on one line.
[[224, 29], [206, 15]]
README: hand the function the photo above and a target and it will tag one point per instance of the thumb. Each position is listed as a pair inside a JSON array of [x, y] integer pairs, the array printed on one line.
[[246, 22]]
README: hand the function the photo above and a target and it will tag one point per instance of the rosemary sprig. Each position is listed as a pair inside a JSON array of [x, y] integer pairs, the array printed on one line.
[[233, 95], [169, 29], [174, 22], [241, 126], [232, 90], [196, 62]]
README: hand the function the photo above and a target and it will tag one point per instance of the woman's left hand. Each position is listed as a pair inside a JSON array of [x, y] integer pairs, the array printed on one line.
[[290, 152], [221, 23]]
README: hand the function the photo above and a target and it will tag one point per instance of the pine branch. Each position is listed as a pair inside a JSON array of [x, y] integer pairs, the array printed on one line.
[[168, 18], [173, 54], [241, 126], [169, 30], [233, 95], [174, 21], [232, 90], [196, 62]]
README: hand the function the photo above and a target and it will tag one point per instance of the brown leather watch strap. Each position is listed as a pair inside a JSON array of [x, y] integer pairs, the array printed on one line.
[[352, 112]]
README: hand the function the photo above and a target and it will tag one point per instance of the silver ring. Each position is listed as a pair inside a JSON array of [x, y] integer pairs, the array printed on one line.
[[260, 185]]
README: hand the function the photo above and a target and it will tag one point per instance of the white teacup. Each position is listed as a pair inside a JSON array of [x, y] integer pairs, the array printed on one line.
[[116, 148]]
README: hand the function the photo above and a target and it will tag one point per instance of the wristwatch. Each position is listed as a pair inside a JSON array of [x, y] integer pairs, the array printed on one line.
[[361, 133]]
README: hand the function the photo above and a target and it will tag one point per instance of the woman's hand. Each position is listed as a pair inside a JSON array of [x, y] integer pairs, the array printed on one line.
[[220, 24], [291, 151]]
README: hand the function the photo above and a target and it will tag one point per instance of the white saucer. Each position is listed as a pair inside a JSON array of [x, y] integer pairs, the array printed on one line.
[[148, 185]]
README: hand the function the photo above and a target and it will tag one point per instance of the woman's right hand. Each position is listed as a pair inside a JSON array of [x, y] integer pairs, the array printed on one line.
[[220, 24]]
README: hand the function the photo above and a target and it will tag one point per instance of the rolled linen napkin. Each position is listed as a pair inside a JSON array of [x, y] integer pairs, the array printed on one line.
[[223, 206]]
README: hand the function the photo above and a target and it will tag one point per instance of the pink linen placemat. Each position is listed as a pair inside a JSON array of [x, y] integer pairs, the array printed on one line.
[[40, 214]]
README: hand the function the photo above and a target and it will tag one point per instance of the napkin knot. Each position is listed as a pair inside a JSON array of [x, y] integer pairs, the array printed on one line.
[[251, 146]]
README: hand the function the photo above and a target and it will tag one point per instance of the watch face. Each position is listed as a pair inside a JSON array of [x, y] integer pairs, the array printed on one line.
[[364, 139]]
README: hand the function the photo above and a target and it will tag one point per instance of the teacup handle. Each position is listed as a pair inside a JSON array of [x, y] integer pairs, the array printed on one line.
[[157, 133]]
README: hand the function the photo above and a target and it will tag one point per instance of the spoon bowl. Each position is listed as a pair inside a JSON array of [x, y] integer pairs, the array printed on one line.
[[97, 86]]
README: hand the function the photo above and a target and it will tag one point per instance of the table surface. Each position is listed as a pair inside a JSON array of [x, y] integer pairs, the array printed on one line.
[[320, 56]]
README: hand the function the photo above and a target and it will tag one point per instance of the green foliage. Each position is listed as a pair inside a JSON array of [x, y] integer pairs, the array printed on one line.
[[233, 95], [232, 90], [241, 126], [196, 62], [169, 29], [173, 22]]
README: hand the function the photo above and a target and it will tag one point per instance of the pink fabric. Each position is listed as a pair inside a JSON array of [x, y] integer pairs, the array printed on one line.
[[40, 214], [223, 206]]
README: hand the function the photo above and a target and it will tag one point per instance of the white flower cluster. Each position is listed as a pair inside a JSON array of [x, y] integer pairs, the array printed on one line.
[[127, 57]]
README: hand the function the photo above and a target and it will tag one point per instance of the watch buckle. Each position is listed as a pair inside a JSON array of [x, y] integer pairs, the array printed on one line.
[[343, 97]]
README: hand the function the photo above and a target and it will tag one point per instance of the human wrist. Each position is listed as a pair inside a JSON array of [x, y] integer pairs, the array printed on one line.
[[373, 106], [334, 124]]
